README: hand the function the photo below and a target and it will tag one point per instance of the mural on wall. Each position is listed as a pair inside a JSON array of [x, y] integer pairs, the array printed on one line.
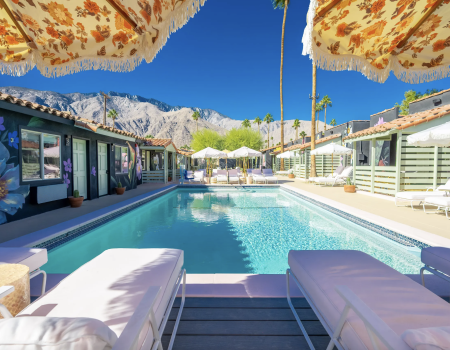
[[138, 163], [93, 171], [68, 168], [12, 194]]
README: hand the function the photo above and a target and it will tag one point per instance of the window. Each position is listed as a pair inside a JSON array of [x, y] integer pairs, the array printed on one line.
[[41, 156], [121, 160]]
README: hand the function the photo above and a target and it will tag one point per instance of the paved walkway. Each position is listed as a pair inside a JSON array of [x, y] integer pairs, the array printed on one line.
[[380, 205]]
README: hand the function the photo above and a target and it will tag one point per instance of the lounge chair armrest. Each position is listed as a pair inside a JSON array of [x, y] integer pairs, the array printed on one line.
[[376, 327], [144, 313]]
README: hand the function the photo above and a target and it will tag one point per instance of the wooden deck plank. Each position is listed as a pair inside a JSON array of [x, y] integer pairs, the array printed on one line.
[[235, 314], [183, 342], [251, 328], [260, 303]]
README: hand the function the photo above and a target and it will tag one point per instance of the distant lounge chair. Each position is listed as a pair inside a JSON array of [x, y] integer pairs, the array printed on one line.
[[338, 171], [363, 303], [337, 180], [258, 176], [127, 294], [284, 172], [268, 174], [222, 176], [441, 202], [419, 196], [233, 176], [198, 176]]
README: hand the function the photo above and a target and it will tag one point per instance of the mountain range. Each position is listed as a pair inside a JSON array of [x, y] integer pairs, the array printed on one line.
[[147, 116]]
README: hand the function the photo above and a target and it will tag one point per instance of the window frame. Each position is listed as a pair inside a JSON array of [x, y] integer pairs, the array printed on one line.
[[121, 160], [42, 180]]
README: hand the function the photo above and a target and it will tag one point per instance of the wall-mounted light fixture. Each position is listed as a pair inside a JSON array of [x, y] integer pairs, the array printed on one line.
[[437, 101], [67, 141], [112, 148]]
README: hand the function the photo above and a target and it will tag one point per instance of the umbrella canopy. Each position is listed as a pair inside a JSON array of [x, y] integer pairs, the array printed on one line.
[[410, 38], [331, 149], [287, 154], [244, 152], [436, 136], [64, 37], [226, 151], [209, 152]]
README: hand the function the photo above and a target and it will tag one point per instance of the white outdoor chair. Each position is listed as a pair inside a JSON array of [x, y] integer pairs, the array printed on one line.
[[442, 203], [198, 177], [121, 299], [233, 176], [268, 174], [367, 304], [222, 176], [258, 176], [336, 173], [419, 196], [337, 180]]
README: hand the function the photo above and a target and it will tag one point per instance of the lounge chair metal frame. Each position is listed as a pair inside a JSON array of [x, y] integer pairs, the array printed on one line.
[[439, 207], [433, 271], [375, 326], [144, 313]]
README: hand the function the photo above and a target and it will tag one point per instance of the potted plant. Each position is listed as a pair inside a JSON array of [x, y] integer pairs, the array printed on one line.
[[75, 200], [119, 188], [349, 187], [291, 174]]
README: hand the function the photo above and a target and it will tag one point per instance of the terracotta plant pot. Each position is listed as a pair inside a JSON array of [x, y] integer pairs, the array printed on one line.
[[291, 176], [170, 179], [120, 190], [75, 202], [350, 188]]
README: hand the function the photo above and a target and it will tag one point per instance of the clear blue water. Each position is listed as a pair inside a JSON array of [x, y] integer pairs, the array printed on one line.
[[231, 231]]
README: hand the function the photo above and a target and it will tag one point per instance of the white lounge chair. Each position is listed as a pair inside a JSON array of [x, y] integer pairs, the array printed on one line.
[[419, 196], [128, 291], [198, 176], [268, 174], [284, 172], [337, 180], [34, 258], [338, 171], [222, 176], [233, 176], [258, 176], [363, 303], [442, 203]]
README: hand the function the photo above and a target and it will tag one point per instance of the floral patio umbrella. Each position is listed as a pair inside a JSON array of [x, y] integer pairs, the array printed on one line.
[[409, 37], [63, 37]]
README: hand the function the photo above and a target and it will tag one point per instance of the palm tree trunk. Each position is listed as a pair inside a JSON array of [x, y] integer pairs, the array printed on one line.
[[268, 134], [325, 119], [312, 172], [281, 81], [197, 124], [259, 130], [317, 121]]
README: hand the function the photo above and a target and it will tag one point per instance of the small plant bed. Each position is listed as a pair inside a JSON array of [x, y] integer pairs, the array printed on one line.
[[76, 201], [120, 189], [291, 174]]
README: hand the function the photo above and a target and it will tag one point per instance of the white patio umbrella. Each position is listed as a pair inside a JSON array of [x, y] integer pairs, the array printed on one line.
[[332, 149], [209, 153], [436, 136], [244, 152], [287, 154]]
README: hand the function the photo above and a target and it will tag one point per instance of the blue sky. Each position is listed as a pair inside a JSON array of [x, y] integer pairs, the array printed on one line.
[[228, 58]]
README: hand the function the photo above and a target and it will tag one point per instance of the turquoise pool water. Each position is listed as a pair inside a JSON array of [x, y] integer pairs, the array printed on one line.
[[231, 231]]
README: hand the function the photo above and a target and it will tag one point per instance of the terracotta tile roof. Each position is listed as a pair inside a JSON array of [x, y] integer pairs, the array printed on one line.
[[435, 94], [83, 122], [405, 122], [158, 142], [269, 148], [184, 152], [308, 144]]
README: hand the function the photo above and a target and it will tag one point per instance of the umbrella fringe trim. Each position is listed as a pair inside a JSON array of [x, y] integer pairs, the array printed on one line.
[[126, 64], [328, 61]]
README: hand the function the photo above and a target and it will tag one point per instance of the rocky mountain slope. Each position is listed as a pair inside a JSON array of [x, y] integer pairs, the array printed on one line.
[[144, 116]]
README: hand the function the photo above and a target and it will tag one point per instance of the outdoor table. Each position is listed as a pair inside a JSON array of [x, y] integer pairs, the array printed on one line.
[[214, 180], [249, 180], [18, 276], [207, 180]]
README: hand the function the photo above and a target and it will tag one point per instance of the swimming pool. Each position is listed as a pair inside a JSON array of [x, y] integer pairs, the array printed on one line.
[[231, 231]]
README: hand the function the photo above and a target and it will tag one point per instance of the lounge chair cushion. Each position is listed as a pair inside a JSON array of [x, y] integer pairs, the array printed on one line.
[[53, 333], [440, 201], [437, 338], [437, 257], [418, 195], [34, 258], [110, 287], [399, 301]]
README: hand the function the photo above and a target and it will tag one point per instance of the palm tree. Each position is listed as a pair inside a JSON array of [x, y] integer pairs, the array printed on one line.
[[196, 116], [319, 108], [313, 121], [246, 123], [303, 135], [326, 101], [282, 4], [268, 119], [296, 125], [113, 115], [149, 137], [259, 122], [333, 122]]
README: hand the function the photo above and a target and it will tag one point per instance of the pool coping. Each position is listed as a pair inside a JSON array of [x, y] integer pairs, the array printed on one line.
[[371, 221], [59, 234]]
